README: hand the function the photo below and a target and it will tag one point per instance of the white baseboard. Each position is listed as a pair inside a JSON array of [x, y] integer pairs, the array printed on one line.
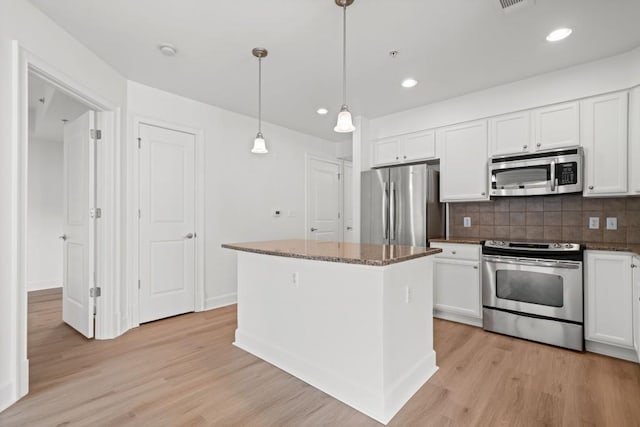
[[23, 387], [611, 351], [473, 321], [40, 285], [220, 301], [7, 396]]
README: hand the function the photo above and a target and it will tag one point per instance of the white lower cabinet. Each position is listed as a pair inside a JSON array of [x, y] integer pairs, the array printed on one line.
[[456, 286], [636, 305], [609, 299]]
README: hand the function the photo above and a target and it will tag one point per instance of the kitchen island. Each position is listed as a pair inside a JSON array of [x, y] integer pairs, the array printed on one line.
[[352, 320]]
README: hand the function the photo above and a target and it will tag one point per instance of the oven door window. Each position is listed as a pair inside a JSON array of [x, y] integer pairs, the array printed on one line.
[[530, 287], [524, 177]]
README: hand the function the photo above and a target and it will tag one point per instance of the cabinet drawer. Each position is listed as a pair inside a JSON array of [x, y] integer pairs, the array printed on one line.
[[458, 251]]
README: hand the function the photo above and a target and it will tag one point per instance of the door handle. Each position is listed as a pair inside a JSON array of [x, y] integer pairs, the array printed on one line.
[[63, 237], [385, 220], [553, 176], [189, 236], [392, 211], [313, 229]]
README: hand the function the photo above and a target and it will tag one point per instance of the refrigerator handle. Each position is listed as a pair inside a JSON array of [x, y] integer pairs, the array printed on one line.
[[392, 211], [385, 203]]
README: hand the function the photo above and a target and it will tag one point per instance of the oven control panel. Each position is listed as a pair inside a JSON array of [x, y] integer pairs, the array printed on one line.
[[532, 246]]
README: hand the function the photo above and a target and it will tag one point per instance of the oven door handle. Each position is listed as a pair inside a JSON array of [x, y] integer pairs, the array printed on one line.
[[534, 263]]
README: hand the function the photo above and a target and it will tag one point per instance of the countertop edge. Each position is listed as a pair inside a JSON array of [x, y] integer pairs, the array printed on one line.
[[374, 263]]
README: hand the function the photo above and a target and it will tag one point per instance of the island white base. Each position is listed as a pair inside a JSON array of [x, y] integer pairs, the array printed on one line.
[[362, 334]]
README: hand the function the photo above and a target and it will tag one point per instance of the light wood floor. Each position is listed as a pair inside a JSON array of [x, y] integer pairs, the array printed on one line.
[[184, 371]]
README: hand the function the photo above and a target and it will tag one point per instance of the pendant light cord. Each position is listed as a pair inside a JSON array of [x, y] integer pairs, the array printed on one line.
[[260, 95], [344, 54]]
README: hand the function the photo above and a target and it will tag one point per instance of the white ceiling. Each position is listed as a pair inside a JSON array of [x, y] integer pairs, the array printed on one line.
[[451, 46], [48, 107]]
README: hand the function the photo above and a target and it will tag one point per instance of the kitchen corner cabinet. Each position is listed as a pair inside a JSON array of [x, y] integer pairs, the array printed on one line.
[[636, 305], [609, 298], [556, 126], [463, 164], [456, 283], [634, 142], [404, 148], [604, 133]]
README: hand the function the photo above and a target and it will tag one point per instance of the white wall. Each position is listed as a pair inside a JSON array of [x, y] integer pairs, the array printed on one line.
[[606, 75], [20, 21], [45, 216], [241, 188]]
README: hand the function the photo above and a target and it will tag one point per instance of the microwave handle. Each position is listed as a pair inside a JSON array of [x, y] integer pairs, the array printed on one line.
[[553, 175]]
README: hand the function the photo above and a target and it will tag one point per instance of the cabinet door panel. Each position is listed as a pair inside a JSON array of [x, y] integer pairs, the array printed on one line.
[[636, 305], [457, 287], [609, 310], [603, 122], [510, 134], [419, 146], [386, 151], [634, 142], [556, 126], [464, 162]]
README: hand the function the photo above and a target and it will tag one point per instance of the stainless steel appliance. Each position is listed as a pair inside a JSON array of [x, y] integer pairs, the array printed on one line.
[[534, 291], [549, 172], [400, 205]]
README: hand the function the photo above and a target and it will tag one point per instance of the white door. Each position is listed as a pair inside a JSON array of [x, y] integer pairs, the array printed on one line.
[[636, 305], [79, 226], [510, 134], [323, 200], [347, 202], [634, 141], [167, 223], [386, 151], [419, 146], [457, 287], [556, 126]]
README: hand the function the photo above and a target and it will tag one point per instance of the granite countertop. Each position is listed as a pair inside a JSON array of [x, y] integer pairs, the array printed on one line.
[[594, 246], [349, 253]]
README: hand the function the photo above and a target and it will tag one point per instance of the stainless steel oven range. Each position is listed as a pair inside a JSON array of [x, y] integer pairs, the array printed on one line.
[[534, 291]]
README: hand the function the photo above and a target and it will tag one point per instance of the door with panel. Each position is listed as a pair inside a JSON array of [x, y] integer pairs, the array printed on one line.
[[634, 141], [510, 134], [556, 126], [324, 220], [347, 202], [167, 223], [386, 151], [79, 194], [636, 304]]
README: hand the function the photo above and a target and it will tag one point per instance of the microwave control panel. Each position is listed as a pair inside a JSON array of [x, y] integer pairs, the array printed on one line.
[[567, 173]]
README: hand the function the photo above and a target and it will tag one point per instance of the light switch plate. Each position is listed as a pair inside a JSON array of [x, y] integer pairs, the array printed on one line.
[[594, 222], [612, 223], [467, 221]]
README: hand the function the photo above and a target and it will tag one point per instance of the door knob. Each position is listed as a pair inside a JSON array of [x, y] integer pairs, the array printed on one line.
[[538, 144], [63, 237], [524, 147], [189, 236], [349, 228], [475, 267], [314, 229], [591, 187]]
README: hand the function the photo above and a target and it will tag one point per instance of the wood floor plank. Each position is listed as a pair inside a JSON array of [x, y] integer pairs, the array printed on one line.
[[185, 371]]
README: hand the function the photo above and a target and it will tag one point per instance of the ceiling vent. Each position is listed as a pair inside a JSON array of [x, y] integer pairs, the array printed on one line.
[[512, 5]]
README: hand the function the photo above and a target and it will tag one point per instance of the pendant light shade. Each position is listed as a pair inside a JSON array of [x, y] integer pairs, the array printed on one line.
[[345, 122], [259, 144]]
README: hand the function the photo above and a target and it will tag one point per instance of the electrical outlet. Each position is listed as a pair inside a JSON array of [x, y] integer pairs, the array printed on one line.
[[467, 221], [612, 223], [594, 222]]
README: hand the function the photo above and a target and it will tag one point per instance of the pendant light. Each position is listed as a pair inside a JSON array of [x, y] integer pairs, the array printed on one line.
[[259, 146], [345, 122]]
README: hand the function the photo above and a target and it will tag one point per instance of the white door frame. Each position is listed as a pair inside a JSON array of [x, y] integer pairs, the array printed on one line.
[[133, 241], [24, 63], [307, 226]]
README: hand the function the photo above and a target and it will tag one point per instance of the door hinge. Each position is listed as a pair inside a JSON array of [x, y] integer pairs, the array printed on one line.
[[138, 283], [139, 142], [338, 215], [95, 292], [139, 214], [96, 134], [95, 212], [338, 176]]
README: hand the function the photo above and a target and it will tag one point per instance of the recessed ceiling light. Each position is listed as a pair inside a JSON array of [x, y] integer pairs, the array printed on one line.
[[559, 34], [167, 49], [408, 83], [322, 111]]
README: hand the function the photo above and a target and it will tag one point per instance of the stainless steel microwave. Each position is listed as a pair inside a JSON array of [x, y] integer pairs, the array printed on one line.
[[549, 172]]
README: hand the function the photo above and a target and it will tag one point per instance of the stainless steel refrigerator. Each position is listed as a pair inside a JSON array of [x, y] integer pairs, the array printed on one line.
[[401, 205]]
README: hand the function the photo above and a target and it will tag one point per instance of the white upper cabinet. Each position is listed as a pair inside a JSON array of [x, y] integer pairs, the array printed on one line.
[[604, 131], [404, 148], [510, 134], [609, 298], [463, 166], [634, 142], [556, 126], [636, 305]]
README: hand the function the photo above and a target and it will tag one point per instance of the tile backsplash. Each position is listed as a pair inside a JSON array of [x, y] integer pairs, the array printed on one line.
[[563, 218]]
